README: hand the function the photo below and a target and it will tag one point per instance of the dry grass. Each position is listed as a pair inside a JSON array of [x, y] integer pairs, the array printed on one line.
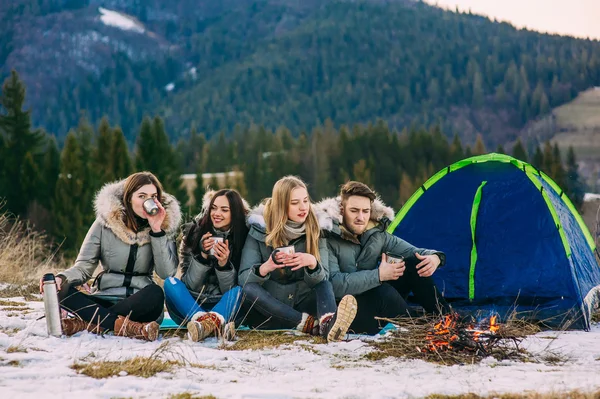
[[137, 366], [523, 395], [410, 340], [15, 349], [25, 254], [11, 303], [260, 339], [187, 395]]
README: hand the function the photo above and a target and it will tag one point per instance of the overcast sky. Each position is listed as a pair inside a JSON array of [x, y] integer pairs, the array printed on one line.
[[579, 18]]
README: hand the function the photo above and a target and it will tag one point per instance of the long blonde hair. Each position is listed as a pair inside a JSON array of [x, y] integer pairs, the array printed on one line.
[[276, 216]]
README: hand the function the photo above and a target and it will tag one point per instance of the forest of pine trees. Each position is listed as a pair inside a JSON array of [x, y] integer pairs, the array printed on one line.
[[55, 188]]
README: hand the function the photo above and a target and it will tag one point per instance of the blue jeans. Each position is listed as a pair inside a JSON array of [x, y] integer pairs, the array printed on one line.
[[276, 314], [182, 305]]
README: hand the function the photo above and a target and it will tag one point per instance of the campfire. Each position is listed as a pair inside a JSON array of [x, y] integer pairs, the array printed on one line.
[[455, 339], [450, 334]]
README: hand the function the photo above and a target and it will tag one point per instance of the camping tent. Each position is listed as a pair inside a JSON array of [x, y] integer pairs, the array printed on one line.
[[513, 241]]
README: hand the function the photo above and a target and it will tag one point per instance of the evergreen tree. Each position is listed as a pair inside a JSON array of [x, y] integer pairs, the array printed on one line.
[[19, 141], [50, 171], [456, 150], [103, 152], [519, 151], [68, 205], [500, 149], [574, 187], [479, 148], [538, 158], [199, 191], [120, 159]]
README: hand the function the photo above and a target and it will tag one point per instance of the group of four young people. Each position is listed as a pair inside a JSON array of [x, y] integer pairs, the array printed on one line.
[[319, 268]]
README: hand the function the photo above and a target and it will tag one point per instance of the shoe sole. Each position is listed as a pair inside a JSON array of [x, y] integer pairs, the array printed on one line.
[[229, 331], [346, 312], [193, 331], [152, 331]]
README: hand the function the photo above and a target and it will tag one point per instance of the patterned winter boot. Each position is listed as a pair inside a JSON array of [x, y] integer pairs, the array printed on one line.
[[205, 324], [71, 326], [132, 329], [308, 325]]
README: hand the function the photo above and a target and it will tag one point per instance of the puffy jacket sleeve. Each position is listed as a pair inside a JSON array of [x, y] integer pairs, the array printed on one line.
[[251, 259], [400, 247], [164, 251], [88, 257], [321, 272], [351, 281], [193, 269], [227, 277]]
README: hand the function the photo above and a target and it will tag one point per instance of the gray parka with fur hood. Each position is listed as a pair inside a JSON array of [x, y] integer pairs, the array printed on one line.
[[205, 280], [354, 261], [128, 258], [288, 287]]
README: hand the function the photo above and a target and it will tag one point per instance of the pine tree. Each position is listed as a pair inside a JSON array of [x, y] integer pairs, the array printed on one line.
[[456, 150], [120, 157], [575, 188], [479, 148], [500, 149], [51, 169], [519, 151], [103, 152], [538, 158], [70, 192], [19, 140], [145, 147], [199, 191]]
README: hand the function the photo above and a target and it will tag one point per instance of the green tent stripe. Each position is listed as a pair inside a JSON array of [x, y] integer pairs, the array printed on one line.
[[567, 201], [555, 217], [474, 212]]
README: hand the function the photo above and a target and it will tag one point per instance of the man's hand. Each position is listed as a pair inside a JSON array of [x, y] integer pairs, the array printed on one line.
[[390, 271], [428, 264]]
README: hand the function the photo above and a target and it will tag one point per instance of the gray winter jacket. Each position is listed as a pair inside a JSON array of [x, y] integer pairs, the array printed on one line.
[[354, 261], [128, 258], [204, 278], [288, 287]]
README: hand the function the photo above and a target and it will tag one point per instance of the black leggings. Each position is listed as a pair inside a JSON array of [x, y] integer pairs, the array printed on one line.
[[389, 299], [144, 306]]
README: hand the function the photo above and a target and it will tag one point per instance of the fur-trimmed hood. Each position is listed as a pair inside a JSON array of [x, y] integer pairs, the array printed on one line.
[[110, 210], [208, 195], [331, 219], [256, 218]]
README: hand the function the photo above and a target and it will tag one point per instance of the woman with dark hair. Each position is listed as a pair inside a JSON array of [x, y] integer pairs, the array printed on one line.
[[132, 237], [207, 297]]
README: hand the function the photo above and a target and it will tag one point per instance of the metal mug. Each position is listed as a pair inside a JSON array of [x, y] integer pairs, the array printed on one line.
[[151, 207], [394, 259], [216, 239], [289, 250]]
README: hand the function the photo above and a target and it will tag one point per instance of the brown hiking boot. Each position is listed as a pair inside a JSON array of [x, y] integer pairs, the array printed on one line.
[[132, 329], [205, 325], [71, 326], [334, 327]]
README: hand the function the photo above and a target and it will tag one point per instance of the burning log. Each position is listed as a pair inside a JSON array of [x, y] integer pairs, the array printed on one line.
[[453, 339]]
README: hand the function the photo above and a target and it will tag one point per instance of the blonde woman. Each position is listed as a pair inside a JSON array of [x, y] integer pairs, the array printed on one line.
[[284, 272]]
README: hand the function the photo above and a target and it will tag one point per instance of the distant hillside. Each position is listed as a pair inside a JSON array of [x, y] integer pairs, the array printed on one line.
[[576, 124], [285, 62]]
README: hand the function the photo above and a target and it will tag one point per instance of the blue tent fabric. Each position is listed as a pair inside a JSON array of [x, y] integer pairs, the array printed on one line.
[[522, 264]]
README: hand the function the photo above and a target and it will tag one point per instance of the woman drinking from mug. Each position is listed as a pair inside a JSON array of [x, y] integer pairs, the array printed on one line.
[[207, 297], [284, 271], [132, 237]]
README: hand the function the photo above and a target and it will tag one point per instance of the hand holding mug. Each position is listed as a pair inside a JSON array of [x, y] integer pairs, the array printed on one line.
[[221, 251], [155, 221], [299, 260], [391, 267], [207, 243]]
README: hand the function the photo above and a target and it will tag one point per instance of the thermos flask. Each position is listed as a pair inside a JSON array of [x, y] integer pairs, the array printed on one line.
[[51, 308]]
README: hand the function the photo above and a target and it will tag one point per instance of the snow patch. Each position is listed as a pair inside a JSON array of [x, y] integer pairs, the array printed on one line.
[[303, 369], [170, 87], [591, 197], [121, 21]]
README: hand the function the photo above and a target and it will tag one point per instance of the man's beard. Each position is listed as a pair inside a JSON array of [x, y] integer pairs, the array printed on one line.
[[352, 228]]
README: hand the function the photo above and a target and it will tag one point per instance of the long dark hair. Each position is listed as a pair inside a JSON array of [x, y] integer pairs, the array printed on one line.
[[238, 229], [132, 184]]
